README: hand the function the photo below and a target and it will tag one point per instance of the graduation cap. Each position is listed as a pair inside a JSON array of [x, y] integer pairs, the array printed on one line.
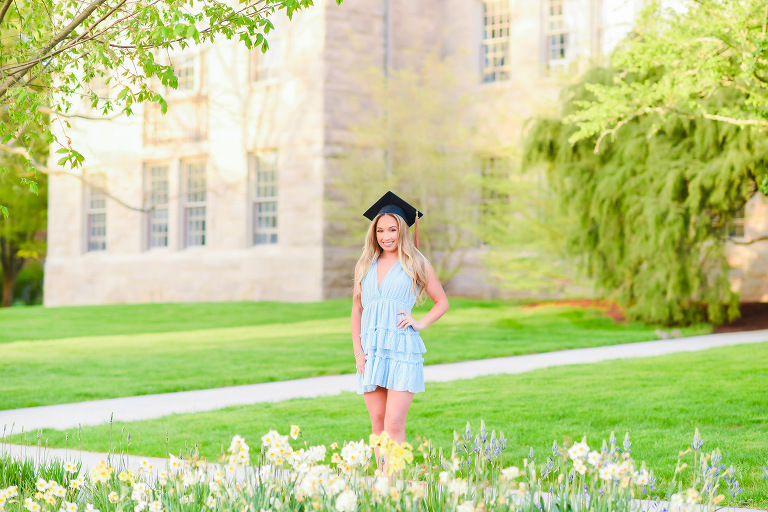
[[391, 203]]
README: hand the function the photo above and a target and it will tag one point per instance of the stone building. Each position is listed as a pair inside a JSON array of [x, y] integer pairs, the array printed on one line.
[[222, 198]]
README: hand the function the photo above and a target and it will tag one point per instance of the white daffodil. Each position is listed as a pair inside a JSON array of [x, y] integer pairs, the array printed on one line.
[[511, 472], [346, 501]]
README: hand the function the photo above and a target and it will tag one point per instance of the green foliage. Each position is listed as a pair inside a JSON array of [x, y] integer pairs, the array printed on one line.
[[704, 49], [24, 473], [22, 235], [29, 284], [51, 51], [413, 133], [653, 205], [524, 236]]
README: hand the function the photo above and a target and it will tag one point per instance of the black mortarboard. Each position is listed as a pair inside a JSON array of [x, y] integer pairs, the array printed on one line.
[[390, 203]]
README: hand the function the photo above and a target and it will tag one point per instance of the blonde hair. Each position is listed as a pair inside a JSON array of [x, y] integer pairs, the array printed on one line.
[[413, 262]]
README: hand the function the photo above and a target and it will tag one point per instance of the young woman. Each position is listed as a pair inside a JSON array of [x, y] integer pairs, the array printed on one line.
[[390, 277]]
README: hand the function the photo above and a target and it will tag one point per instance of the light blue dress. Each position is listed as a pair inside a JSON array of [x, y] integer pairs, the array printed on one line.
[[393, 356]]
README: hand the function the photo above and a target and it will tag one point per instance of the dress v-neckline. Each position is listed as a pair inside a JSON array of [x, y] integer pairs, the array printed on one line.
[[378, 284]]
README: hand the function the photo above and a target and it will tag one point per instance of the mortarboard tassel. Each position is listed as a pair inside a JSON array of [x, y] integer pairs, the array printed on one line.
[[416, 229]]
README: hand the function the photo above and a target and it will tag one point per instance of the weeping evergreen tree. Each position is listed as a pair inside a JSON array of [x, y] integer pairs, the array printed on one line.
[[653, 206]]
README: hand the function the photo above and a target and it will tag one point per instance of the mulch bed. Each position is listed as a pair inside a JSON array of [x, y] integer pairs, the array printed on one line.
[[754, 315]]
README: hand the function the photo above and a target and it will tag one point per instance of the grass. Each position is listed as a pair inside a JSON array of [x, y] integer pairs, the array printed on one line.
[[38, 323], [659, 401], [282, 342]]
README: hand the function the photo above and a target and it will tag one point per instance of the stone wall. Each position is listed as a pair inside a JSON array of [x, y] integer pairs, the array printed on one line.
[[285, 115], [749, 261]]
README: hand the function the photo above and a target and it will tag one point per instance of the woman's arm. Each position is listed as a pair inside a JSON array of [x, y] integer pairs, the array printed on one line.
[[437, 294], [357, 312]]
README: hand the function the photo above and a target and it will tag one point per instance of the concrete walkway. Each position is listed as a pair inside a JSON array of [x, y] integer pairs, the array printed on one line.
[[154, 406]]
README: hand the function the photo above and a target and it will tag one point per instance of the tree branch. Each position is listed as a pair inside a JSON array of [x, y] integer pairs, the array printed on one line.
[[4, 9], [47, 170], [612, 131], [743, 242], [178, 39], [16, 77], [663, 110], [46, 110]]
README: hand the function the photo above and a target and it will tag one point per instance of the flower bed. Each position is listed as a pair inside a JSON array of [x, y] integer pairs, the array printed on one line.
[[279, 477]]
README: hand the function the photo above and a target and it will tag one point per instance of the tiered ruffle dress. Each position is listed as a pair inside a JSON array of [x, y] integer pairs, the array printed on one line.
[[394, 357]]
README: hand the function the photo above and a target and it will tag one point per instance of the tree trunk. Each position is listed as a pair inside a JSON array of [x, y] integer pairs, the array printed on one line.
[[9, 285], [11, 266]]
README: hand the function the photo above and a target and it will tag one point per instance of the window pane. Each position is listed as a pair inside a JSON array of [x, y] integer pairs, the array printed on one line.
[[185, 67], [156, 188], [96, 215], [264, 182], [266, 66], [195, 223], [97, 231], [557, 39], [194, 196], [195, 182], [495, 50], [158, 228]]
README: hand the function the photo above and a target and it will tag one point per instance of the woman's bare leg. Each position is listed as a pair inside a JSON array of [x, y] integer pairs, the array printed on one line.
[[398, 403], [376, 401]]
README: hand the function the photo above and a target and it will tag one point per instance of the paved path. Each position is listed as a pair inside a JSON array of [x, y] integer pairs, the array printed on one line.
[[154, 406]]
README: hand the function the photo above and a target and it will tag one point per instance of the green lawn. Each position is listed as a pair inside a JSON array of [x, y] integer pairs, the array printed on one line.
[[38, 323], [659, 401], [171, 352]]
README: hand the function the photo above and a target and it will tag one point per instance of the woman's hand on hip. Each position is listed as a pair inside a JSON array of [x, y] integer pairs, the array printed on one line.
[[408, 320], [360, 363]]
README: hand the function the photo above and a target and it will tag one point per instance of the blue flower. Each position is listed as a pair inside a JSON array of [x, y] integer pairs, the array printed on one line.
[[735, 488], [627, 444], [555, 449], [697, 441], [547, 469]]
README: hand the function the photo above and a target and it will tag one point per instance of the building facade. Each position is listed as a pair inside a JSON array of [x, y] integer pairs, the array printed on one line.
[[224, 197]]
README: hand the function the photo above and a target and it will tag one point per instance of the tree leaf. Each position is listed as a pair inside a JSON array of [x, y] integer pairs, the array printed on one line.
[[4, 211]]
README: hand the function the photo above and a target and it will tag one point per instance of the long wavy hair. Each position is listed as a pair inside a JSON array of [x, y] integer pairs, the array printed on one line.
[[413, 262]]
